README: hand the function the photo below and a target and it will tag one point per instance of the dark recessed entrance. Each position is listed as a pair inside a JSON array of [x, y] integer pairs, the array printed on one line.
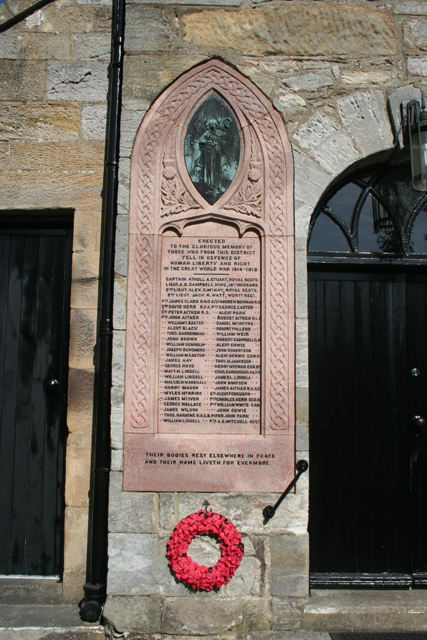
[[35, 263], [368, 383]]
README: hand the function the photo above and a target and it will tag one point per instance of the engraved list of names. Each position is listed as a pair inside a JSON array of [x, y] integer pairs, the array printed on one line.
[[210, 335]]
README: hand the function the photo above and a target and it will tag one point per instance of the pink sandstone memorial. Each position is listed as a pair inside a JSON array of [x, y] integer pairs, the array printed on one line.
[[209, 402]]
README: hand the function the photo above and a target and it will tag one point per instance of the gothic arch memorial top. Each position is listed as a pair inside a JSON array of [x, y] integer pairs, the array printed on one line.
[[210, 333]]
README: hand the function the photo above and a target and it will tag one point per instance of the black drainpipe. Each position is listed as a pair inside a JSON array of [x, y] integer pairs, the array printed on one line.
[[95, 588]]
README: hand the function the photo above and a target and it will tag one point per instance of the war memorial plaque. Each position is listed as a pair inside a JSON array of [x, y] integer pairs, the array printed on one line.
[[210, 358], [209, 396]]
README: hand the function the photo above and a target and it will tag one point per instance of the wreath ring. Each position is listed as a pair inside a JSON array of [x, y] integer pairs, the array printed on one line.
[[196, 576]]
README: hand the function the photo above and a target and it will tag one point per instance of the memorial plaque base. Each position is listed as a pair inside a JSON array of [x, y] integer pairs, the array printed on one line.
[[214, 463]]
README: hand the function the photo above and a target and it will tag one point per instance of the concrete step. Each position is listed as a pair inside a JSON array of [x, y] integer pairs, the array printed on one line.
[[366, 611], [53, 622]]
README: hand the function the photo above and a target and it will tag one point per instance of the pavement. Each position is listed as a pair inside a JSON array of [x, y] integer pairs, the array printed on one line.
[[51, 621]]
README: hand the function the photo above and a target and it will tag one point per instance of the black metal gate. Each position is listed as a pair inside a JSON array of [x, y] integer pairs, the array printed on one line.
[[35, 263], [368, 436]]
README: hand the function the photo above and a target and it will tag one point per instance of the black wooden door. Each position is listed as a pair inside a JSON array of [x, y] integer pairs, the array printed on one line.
[[35, 256], [368, 487]]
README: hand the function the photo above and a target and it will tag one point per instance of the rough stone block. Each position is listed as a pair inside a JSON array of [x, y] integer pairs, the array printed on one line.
[[78, 81], [129, 512], [119, 308], [86, 236], [301, 286], [56, 18], [84, 286], [302, 405], [29, 189], [56, 156], [75, 542], [256, 615], [245, 510], [42, 121], [10, 45], [309, 82], [22, 80], [289, 565], [289, 103], [230, 3], [118, 365], [310, 179], [328, 28], [122, 245], [116, 460], [129, 125], [95, 2], [302, 440], [301, 352], [168, 511], [411, 8], [145, 76], [82, 338], [366, 78], [148, 29], [303, 213], [80, 400], [102, 18], [365, 117], [327, 142], [94, 122], [47, 46], [5, 13], [289, 555], [290, 635], [77, 479], [124, 187], [117, 398], [265, 81], [117, 429], [204, 616], [247, 579], [93, 45], [138, 566], [415, 34], [286, 613], [134, 614], [417, 66]]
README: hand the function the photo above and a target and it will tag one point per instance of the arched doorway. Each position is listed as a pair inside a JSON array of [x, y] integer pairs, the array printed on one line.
[[367, 263]]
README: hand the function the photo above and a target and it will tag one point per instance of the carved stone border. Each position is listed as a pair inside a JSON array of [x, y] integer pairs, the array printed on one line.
[[260, 196]]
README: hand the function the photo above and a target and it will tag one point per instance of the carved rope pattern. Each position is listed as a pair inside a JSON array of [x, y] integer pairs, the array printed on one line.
[[277, 177], [146, 168], [141, 333], [279, 418], [246, 98]]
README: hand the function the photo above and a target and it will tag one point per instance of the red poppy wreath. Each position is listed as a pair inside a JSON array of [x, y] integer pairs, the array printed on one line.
[[196, 576]]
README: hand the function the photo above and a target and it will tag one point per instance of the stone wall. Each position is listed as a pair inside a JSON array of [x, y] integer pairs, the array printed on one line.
[[328, 68], [53, 85]]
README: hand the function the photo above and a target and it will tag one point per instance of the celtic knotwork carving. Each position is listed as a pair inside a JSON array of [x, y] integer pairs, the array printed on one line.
[[145, 169], [175, 198], [248, 200], [277, 177], [141, 332], [278, 334], [215, 77]]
